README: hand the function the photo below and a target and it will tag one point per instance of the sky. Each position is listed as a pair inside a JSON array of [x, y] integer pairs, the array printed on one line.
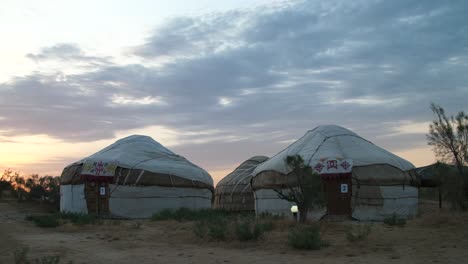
[[221, 81]]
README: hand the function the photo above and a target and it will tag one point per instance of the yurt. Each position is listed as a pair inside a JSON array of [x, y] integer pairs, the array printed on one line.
[[360, 179], [134, 178], [233, 192]]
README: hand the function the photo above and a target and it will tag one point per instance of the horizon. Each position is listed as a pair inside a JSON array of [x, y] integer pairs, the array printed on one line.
[[221, 81]]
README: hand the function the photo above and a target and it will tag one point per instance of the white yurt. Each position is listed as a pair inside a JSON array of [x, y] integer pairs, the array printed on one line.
[[134, 178], [233, 192], [360, 179]]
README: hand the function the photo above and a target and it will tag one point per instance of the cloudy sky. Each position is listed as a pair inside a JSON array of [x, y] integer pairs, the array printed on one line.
[[220, 81]]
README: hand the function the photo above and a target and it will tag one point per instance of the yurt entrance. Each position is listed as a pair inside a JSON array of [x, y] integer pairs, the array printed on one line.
[[97, 176], [336, 179], [338, 195], [97, 197]]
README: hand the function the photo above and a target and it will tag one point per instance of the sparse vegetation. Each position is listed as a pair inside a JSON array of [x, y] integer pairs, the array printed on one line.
[[395, 221], [78, 218], [306, 237], [21, 257], [54, 220], [358, 232], [47, 221], [248, 229], [212, 228], [186, 214], [221, 225]]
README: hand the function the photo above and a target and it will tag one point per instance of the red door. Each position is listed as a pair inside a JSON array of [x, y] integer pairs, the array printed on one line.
[[338, 194]]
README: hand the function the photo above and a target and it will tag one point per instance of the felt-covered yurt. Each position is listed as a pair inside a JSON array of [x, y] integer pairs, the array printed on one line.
[[360, 179], [134, 178], [233, 192]]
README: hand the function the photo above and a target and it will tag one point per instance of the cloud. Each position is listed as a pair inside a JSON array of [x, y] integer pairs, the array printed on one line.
[[66, 52], [236, 81]]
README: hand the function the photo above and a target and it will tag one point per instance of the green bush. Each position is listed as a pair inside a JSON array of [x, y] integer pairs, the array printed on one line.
[[247, 230], [215, 228], [358, 232], [305, 237], [44, 220], [395, 221]]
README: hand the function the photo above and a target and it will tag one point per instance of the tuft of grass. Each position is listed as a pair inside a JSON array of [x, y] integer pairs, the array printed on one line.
[[395, 221], [186, 214], [358, 232], [200, 229], [306, 237], [47, 221]]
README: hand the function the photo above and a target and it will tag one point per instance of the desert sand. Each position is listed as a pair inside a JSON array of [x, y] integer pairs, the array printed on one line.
[[436, 236]]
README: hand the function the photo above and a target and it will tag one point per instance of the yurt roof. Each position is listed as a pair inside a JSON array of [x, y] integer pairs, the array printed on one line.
[[331, 141], [144, 153], [243, 173]]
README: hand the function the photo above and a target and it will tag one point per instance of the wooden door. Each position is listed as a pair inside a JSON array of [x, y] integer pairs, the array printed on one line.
[[97, 197], [338, 192]]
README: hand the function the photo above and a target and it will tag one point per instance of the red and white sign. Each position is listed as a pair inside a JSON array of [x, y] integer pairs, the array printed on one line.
[[333, 166]]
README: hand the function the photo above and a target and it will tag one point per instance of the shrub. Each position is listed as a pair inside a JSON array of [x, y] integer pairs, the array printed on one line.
[[395, 221], [44, 220], [217, 228], [305, 237], [247, 230], [78, 218], [358, 232]]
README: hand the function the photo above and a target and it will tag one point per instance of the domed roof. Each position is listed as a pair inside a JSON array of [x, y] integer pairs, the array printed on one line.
[[241, 175], [144, 153], [331, 141]]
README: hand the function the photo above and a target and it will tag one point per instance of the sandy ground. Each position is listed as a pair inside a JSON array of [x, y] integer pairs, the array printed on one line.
[[434, 237]]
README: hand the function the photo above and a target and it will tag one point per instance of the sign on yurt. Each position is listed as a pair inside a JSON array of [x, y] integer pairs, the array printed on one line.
[[336, 179], [97, 175]]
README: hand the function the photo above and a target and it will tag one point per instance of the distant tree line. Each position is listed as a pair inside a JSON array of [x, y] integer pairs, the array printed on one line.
[[44, 189]]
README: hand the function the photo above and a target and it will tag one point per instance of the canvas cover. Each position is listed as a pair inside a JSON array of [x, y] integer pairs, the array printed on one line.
[[144, 177], [233, 192], [139, 160], [136, 201], [382, 182]]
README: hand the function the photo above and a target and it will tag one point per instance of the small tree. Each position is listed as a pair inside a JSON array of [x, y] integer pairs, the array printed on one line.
[[449, 137], [307, 190]]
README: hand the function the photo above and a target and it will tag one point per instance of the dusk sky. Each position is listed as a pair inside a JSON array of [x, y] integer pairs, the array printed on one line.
[[220, 81]]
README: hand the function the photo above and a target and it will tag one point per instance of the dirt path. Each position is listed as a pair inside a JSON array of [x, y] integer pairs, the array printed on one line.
[[433, 238]]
